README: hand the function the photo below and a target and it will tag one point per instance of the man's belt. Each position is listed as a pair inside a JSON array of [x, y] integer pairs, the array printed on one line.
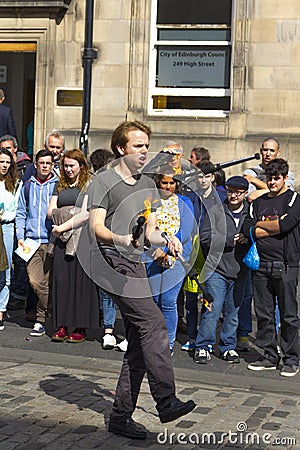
[[115, 252]]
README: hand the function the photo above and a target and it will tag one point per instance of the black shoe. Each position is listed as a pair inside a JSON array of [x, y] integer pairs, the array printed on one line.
[[231, 356], [175, 409], [129, 429]]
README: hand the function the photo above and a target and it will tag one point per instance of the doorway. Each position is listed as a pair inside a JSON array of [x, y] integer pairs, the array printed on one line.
[[17, 79]]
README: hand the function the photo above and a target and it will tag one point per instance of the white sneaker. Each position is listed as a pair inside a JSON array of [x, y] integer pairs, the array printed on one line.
[[109, 342], [188, 346], [122, 346], [37, 330]]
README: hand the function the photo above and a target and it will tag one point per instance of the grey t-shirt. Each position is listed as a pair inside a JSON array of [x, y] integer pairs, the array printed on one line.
[[123, 202]]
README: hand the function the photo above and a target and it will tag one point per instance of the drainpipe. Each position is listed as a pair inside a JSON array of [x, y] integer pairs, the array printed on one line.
[[89, 54]]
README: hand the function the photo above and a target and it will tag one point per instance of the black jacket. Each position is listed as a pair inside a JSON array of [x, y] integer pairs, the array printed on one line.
[[216, 238], [289, 225], [7, 124]]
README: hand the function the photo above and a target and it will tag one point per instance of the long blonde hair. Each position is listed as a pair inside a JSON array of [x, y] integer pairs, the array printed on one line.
[[84, 175]]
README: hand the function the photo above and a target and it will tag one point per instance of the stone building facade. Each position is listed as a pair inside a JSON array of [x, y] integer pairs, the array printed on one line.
[[263, 83]]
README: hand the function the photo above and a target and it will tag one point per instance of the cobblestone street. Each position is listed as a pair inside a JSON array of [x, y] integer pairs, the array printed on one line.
[[56, 407]]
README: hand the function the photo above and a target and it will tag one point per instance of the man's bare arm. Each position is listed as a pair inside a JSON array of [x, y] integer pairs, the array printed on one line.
[[261, 233], [271, 226], [257, 193], [102, 233], [259, 184]]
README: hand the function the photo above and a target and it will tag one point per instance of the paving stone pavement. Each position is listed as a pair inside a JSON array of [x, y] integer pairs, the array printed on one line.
[[44, 406]]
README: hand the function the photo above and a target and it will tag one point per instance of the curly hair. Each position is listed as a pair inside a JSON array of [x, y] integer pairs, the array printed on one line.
[[84, 175], [11, 177]]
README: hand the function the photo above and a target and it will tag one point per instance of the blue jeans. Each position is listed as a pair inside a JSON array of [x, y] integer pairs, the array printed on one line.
[[109, 309], [8, 238], [165, 285], [221, 288]]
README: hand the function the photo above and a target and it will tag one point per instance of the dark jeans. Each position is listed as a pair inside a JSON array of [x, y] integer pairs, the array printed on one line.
[[244, 300], [148, 344], [2, 279], [265, 290], [180, 303], [20, 280]]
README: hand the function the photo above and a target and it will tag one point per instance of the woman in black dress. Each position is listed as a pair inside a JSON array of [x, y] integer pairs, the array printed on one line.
[[74, 294]]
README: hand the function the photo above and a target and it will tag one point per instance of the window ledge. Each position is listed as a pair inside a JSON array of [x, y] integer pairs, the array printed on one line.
[[54, 9]]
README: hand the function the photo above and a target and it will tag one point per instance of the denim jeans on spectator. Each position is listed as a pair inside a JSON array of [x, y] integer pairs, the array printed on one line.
[[165, 285], [221, 288], [8, 238], [109, 309]]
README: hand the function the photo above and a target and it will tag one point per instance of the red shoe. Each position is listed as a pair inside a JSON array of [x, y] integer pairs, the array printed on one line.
[[77, 336], [60, 335]]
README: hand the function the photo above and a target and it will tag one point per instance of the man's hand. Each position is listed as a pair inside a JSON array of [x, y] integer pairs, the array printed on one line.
[[21, 244], [174, 246], [123, 241], [158, 253], [239, 238]]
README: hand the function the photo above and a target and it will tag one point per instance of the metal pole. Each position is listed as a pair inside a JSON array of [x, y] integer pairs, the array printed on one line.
[[89, 54]]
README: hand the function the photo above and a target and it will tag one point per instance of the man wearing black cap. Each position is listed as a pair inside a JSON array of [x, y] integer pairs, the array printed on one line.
[[224, 247]]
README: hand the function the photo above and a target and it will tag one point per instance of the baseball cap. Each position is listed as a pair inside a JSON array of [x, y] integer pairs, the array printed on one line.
[[237, 181]]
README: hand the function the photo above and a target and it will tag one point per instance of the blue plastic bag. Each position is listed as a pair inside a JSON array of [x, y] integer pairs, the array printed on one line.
[[252, 259]]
